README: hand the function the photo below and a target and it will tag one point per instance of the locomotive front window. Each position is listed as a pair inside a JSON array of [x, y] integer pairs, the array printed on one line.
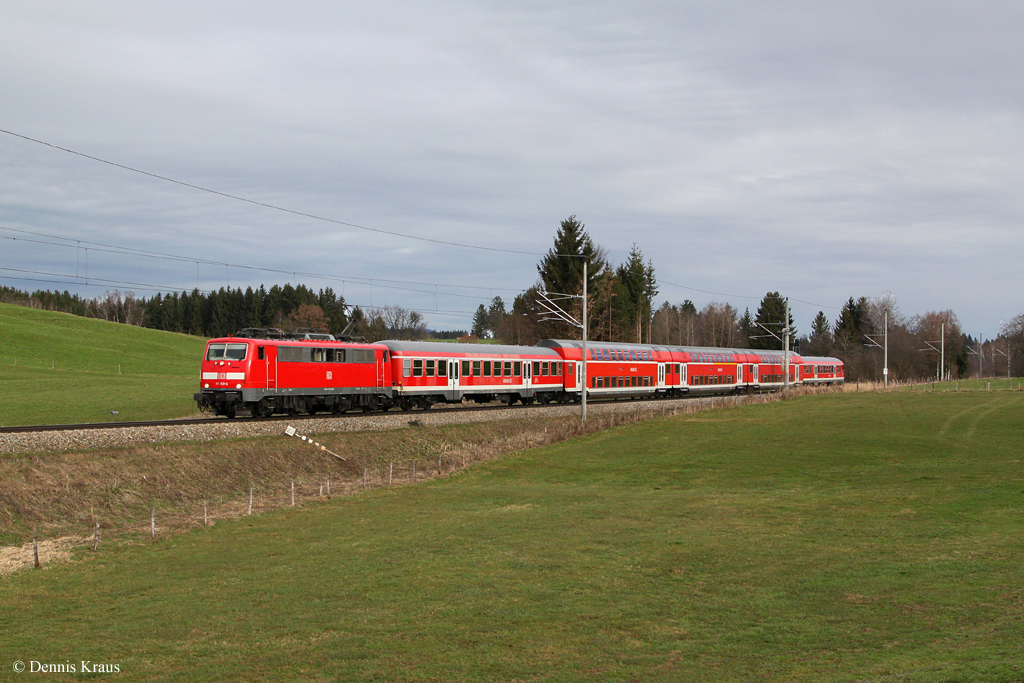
[[226, 351]]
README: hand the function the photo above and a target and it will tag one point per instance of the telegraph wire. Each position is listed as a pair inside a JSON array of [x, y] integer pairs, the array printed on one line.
[[327, 220], [265, 204], [162, 289], [132, 251]]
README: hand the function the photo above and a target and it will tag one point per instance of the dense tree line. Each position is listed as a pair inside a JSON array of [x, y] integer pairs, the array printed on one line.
[[915, 343], [226, 311]]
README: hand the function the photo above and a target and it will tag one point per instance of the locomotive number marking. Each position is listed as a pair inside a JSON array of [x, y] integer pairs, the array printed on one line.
[[330, 374]]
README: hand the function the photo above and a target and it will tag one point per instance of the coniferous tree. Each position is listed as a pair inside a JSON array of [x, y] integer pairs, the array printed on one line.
[[637, 292], [820, 341], [480, 322], [561, 270], [746, 330], [771, 315], [495, 315]]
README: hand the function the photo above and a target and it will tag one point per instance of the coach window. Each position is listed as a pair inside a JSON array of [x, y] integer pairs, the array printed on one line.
[[487, 368], [417, 368], [517, 369], [442, 368], [430, 368], [508, 368], [406, 367], [536, 368], [544, 369], [476, 368], [465, 368]]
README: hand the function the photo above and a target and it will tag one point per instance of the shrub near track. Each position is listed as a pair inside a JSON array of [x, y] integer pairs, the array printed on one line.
[[57, 368], [832, 538]]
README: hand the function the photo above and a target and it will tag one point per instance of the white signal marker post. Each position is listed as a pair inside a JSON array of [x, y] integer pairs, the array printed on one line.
[[290, 431]]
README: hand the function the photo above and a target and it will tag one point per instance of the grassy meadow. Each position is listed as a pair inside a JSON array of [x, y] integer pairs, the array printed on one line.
[[60, 368], [843, 537]]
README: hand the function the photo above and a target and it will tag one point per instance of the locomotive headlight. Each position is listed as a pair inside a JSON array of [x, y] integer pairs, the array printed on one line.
[[238, 386], [206, 386]]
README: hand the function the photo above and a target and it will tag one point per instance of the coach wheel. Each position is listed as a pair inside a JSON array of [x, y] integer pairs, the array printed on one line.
[[229, 412], [544, 399], [405, 405]]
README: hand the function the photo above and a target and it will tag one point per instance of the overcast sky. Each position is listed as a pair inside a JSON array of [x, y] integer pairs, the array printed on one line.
[[825, 150]]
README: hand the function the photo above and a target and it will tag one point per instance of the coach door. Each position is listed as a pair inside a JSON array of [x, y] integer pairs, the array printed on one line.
[[661, 375], [269, 353], [753, 375], [453, 376]]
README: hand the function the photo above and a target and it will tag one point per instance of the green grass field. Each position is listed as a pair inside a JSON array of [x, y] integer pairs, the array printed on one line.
[[987, 384], [59, 368], [845, 537]]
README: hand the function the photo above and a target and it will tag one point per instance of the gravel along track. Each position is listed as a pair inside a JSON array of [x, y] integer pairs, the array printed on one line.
[[84, 439]]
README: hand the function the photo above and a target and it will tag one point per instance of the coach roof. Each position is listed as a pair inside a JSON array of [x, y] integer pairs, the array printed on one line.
[[473, 349]]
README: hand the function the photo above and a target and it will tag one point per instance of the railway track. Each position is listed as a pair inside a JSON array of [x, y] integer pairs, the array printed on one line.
[[283, 418]]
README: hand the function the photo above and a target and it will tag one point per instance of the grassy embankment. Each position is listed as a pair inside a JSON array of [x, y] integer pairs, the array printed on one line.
[[59, 368], [832, 538]]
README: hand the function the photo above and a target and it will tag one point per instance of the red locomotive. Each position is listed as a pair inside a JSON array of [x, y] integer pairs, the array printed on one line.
[[265, 372]]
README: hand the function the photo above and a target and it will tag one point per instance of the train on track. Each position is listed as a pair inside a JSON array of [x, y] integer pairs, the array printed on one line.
[[264, 372]]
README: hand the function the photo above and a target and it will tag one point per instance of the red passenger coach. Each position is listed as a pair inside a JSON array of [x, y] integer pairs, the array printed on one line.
[[277, 374], [822, 370], [424, 373], [614, 370]]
